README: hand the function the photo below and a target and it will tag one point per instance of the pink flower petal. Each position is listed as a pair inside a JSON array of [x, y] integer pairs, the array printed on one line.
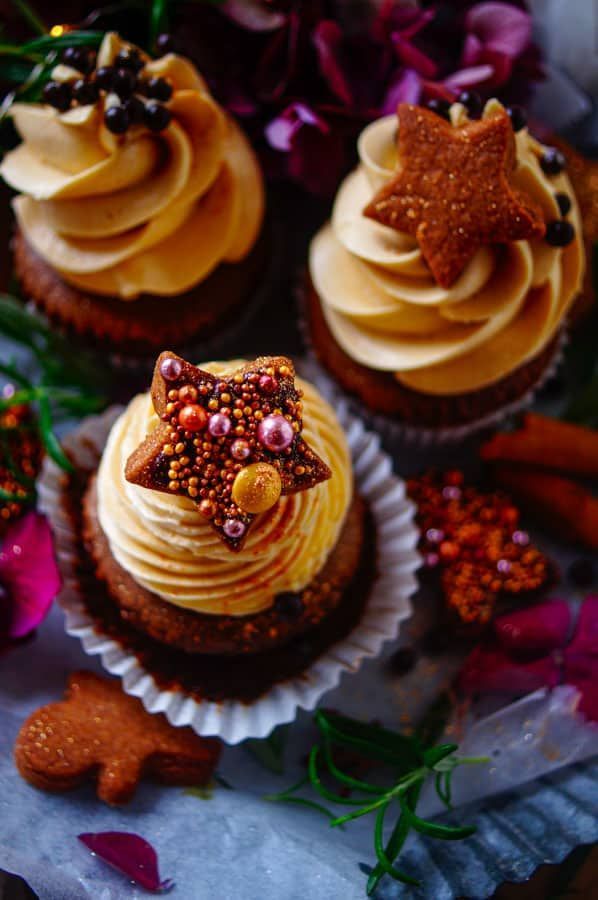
[[466, 78], [490, 670], [281, 130], [535, 629], [28, 573], [327, 39], [472, 48], [252, 14], [405, 88], [413, 58], [585, 639], [500, 26], [130, 854]]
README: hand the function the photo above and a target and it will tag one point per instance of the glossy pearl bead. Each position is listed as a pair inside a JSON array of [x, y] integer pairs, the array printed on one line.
[[268, 384], [240, 449], [170, 369], [234, 529], [193, 417], [275, 433], [219, 425], [257, 488]]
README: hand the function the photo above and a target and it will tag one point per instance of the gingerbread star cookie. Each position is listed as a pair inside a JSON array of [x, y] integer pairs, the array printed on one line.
[[232, 445], [99, 732], [453, 191], [475, 542]]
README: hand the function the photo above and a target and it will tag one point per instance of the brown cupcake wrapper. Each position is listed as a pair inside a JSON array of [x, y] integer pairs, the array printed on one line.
[[397, 561]]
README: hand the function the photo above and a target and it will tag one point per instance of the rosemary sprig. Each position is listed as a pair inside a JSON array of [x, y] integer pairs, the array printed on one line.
[[412, 764]]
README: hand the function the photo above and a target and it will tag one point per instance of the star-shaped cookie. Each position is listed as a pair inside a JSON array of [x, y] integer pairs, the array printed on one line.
[[99, 732], [453, 192], [233, 445]]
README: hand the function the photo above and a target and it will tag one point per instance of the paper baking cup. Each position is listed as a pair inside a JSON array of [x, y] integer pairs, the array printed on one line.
[[388, 604], [392, 430]]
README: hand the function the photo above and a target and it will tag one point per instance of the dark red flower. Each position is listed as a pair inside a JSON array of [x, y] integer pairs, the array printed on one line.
[[529, 650], [29, 578], [130, 854]]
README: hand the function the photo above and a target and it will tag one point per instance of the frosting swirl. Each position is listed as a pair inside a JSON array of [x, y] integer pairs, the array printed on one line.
[[385, 309], [141, 212], [168, 547]]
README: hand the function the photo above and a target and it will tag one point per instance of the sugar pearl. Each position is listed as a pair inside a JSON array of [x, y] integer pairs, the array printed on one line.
[[170, 369], [193, 417], [275, 433], [240, 449], [268, 384], [257, 488], [521, 538], [234, 528], [503, 566], [219, 425]]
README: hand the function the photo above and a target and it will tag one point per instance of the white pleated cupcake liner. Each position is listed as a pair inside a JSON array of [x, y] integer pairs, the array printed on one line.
[[394, 583], [397, 433]]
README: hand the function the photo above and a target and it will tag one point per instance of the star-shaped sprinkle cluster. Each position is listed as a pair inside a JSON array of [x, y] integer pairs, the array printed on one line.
[[453, 192], [232, 445], [99, 732], [475, 540]]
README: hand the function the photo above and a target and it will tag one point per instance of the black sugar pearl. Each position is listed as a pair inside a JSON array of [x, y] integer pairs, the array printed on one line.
[[472, 103], [552, 161], [401, 661], [563, 203], [117, 119], [129, 59], [135, 109], [124, 83], [289, 605], [165, 43], [440, 107], [582, 573], [158, 89], [517, 116], [559, 233], [105, 77], [156, 116], [58, 94], [78, 58], [85, 92]]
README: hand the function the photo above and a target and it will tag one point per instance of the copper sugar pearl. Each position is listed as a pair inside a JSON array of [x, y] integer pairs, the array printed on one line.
[[232, 445]]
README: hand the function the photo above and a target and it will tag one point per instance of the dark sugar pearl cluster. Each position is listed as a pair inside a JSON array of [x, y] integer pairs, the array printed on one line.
[[141, 100], [559, 232]]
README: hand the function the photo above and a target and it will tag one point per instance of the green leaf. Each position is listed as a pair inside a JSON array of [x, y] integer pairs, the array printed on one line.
[[397, 839], [30, 16], [47, 43], [433, 829], [158, 21], [373, 741], [316, 781], [383, 861], [50, 441], [434, 755]]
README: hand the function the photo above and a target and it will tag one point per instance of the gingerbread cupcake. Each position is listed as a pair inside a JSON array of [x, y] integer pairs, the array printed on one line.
[[137, 195], [440, 286]]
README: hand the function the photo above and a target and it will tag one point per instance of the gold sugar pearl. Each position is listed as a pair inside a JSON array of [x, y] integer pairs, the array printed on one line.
[[257, 488], [173, 395], [225, 397], [284, 371], [213, 404], [173, 485], [179, 447], [238, 378], [188, 394], [168, 449], [238, 413], [192, 491]]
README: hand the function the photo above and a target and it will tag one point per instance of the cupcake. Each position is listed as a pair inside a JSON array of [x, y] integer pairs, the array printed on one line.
[[440, 286], [137, 195], [224, 543]]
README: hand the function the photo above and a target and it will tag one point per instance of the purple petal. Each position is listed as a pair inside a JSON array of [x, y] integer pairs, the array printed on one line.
[[490, 670], [500, 26], [28, 573], [281, 130], [253, 15], [413, 58], [466, 78], [327, 39], [317, 159], [130, 854], [405, 88], [472, 49], [536, 629]]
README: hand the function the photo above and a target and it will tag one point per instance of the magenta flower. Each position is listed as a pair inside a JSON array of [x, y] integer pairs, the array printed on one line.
[[497, 34], [529, 649], [29, 578]]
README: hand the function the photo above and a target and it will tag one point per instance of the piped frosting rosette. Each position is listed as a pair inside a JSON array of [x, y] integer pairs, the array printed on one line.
[[169, 547], [387, 312], [142, 212]]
